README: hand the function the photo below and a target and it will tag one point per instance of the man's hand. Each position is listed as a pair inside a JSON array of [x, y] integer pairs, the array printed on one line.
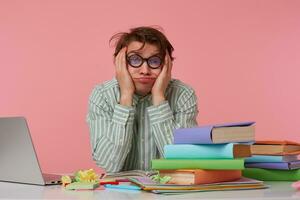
[[162, 81], [124, 79]]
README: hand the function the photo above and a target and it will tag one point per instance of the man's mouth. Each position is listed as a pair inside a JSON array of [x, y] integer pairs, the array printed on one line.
[[145, 80]]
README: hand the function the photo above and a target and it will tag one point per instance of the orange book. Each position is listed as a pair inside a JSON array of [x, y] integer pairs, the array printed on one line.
[[199, 176], [275, 147]]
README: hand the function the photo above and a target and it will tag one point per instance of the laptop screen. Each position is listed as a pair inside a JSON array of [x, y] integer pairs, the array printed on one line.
[[19, 162]]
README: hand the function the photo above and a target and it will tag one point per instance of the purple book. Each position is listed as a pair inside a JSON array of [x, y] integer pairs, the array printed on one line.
[[275, 165], [213, 134]]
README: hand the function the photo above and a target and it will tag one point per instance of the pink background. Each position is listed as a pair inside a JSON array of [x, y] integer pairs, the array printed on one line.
[[242, 58]]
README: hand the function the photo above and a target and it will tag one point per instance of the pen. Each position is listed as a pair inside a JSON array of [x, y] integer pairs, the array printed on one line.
[[126, 187], [109, 182]]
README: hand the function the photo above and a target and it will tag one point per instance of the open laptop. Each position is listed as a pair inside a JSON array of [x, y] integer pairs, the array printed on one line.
[[18, 159]]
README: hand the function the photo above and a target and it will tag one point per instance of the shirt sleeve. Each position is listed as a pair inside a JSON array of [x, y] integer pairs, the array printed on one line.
[[111, 131], [163, 120]]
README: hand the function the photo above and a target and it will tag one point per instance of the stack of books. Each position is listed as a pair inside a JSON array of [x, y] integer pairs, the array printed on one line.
[[274, 161], [147, 184], [206, 155]]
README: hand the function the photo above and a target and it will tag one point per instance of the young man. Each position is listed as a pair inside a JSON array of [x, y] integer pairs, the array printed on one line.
[[132, 117]]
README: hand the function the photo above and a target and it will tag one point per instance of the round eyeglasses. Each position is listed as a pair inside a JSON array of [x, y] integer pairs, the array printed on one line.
[[137, 61]]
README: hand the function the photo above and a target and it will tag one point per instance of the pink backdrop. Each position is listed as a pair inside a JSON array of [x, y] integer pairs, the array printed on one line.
[[242, 58]]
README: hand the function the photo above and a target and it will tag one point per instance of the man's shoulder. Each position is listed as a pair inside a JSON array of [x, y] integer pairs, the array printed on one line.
[[107, 85], [110, 87], [180, 86]]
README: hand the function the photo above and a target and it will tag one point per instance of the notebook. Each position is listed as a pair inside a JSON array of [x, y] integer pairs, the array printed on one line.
[[241, 184], [18, 159]]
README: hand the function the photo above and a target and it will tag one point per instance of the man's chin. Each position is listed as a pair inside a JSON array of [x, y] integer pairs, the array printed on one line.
[[143, 92], [143, 89]]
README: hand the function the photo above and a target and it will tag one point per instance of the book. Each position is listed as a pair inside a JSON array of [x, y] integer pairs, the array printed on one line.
[[275, 147], [214, 134], [130, 173], [272, 174], [206, 151], [275, 165], [149, 185], [199, 176], [271, 158], [226, 164], [211, 189]]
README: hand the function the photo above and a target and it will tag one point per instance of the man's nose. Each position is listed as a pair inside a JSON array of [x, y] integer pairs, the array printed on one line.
[[145, 69]]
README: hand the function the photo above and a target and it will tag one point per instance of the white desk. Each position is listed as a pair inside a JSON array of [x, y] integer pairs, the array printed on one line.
[[278, 190]]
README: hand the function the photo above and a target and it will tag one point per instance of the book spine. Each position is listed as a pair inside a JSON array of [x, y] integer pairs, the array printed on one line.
[[217, 164], [197, 135], [261, 158], [272, 174], [201, 176], [268, 165], [204, 151]]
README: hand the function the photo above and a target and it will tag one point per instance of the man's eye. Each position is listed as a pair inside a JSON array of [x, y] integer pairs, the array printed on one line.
[[135, 58], [155, 60]]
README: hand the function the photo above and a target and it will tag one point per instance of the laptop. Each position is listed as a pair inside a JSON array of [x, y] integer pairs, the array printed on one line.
[[18, 159]]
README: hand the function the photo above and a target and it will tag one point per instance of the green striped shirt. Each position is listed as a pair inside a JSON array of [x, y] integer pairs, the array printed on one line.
[[126, 138]]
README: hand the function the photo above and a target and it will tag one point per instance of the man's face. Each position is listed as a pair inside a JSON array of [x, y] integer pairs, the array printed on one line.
[[143, 77]]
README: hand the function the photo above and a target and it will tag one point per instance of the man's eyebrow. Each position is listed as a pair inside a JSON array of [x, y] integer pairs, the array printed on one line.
[[133, 51], [138, 51]]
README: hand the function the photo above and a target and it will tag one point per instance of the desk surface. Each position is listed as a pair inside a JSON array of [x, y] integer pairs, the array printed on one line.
[[278, 190]]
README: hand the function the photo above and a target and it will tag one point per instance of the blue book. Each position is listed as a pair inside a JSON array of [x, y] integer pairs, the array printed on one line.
[[262, 158], [206, 151]]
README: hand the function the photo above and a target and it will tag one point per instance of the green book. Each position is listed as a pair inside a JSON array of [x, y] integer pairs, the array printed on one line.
[[223, 164], [272, 174]]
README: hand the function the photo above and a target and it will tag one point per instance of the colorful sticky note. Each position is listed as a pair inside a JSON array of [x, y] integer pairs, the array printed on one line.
[[81, 185]]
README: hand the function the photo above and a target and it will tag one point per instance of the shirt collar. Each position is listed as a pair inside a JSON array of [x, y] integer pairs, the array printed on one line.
[[137, 98]]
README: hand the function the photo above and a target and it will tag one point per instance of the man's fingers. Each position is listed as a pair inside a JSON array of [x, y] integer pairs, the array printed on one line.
[[120, 59], [165, 67], [170, 64], [123, 58], [117, 62], [167, 64]]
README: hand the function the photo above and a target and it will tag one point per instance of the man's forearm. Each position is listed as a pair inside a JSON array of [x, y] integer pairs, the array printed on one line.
[[158, 99], [111, 136], [126, 100]]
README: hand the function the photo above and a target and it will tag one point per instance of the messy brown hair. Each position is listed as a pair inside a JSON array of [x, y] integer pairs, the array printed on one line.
[[143, 34]]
